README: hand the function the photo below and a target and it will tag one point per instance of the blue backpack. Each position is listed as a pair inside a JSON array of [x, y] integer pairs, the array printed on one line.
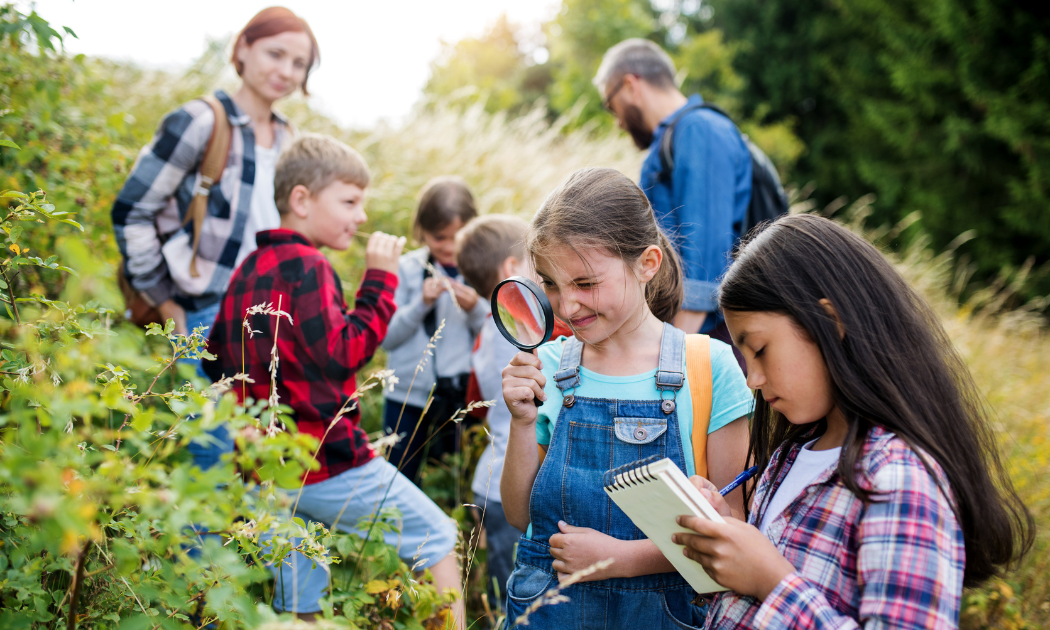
[[768, 200]]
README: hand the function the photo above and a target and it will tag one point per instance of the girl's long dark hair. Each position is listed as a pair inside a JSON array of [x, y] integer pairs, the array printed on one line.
[[895, 368]]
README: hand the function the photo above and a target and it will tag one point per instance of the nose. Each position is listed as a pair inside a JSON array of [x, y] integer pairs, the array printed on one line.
[[755, 378]]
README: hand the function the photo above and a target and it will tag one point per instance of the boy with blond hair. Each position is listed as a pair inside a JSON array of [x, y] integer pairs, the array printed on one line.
[[319, 189], [490, 249]]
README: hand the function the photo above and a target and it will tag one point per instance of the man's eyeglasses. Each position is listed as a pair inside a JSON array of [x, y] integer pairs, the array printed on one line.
[[607, 103]]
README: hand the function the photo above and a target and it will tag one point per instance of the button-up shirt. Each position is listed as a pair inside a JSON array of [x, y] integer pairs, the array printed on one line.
[[896, 562], [320, 349]]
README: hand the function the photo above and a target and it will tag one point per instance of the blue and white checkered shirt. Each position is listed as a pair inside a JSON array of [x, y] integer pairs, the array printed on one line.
[[148, 212]]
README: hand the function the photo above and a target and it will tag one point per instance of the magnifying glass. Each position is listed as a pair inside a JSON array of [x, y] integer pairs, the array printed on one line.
[[522, 313]]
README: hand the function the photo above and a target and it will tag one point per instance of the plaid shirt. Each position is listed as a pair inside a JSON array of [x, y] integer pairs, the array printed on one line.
[[894, 563], [147, 215], [320, 350]]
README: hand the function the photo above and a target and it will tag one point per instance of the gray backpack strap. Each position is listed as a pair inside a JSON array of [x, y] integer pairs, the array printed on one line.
[[669, 375]]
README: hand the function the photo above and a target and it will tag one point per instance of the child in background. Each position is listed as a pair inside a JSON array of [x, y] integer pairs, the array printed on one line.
[[319, 188], [613, 394], [882, 495], [430, 291], [488, 250]]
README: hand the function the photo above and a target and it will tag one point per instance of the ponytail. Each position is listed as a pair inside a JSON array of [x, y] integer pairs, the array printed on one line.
[[601, 207]]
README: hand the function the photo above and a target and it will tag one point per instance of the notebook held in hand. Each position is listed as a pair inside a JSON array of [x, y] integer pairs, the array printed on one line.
[[653, 492]]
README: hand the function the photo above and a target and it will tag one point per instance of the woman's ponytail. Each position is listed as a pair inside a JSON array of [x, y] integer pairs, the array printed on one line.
[[666, 291]]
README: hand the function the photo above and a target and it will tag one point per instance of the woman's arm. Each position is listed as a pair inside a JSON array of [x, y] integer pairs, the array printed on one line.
[[726, 458], [161, 167]]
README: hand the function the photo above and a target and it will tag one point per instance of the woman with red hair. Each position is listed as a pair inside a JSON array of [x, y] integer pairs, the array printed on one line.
[[182, 269]]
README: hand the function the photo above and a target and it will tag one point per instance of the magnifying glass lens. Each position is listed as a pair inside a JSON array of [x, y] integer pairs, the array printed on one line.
[[523, 312]]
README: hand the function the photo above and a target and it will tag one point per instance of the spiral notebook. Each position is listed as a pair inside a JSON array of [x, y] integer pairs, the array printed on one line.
[[653, 492]]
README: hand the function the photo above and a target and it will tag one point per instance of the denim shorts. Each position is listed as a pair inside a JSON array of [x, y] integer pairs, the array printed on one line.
[[426, 535]]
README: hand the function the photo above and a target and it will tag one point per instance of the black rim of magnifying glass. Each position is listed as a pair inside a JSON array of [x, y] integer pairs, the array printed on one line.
[[548, 312]]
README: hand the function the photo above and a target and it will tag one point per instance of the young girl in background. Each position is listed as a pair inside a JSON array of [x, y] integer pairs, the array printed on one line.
[[882, 494], [430, 291], [611, 274]]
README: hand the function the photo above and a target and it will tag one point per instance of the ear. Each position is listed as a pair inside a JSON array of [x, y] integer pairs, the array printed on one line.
[[649, 263], [300, 201], [829, 308], [509, 267], [240, 50], [632, 87]]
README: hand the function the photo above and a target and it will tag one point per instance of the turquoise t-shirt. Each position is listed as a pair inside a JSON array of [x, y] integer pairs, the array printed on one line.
[[730, 400]]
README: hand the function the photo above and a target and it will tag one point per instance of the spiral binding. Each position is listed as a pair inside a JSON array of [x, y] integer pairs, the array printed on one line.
[[634, 473]]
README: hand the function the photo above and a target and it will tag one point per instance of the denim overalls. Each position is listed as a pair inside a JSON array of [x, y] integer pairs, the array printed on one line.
[[590, 437]]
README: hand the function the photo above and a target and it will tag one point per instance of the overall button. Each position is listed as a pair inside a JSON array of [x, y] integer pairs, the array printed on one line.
[[640, 434], [667, 406], [569, 400]]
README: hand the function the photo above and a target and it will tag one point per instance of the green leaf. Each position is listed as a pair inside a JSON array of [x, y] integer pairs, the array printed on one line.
[[8, 143], [142, 419]]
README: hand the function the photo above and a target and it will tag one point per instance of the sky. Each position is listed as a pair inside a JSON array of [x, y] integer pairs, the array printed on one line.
[[375, 55]]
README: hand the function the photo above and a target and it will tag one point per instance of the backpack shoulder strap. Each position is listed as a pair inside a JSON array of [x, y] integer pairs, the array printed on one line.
[[701, 389], [216, 153], [667, 141]]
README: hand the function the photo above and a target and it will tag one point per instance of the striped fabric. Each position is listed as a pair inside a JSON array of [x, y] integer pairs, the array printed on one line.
[[147, 215], [894, 563], [320, 350]]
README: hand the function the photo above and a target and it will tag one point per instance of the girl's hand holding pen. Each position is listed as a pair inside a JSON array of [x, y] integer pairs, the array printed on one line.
[[523, 386]]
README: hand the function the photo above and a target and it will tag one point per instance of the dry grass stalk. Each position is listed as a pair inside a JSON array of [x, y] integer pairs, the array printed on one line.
[[554, 595]]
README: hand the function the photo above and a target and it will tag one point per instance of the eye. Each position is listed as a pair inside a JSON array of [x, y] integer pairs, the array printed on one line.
[[760, 352], [276, 54]]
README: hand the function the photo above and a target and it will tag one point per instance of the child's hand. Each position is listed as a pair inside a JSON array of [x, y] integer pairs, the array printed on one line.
[[383, 251], [710, 492], [734, 554], [522, 385], [432, 290], [577, 548], [467, 297]]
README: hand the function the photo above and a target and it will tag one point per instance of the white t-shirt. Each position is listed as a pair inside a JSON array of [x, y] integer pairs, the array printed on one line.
[[493, 354], [806, 468], [264, 214]]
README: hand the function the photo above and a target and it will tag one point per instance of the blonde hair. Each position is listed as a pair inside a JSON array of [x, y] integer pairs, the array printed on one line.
[[315, 161], [482, 246], [443, 200], [601, 207]]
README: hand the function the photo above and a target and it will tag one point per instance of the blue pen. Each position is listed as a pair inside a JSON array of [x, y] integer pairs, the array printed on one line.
[[739, 481]]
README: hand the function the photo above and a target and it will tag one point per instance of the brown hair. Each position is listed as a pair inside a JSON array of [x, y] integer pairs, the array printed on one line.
[[601, 207], [315, 161], [274, 21], [482, 246], [443, 200]]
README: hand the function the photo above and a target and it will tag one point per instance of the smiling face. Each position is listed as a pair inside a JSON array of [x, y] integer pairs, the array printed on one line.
[[273, 67], [595, 292], [334, 214], [442, 243], [784, 363]]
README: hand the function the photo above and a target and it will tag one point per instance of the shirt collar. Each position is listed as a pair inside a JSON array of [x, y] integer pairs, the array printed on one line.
[[281, 236], [695, 99], [239, 118]]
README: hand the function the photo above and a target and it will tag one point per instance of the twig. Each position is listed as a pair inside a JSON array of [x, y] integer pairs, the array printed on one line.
[[11, 295], [78, 579]]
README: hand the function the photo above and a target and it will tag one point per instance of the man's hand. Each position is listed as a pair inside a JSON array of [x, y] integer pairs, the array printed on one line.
[[577, 548], [168, 309], [465, 296], [383, 252], [690, 321]]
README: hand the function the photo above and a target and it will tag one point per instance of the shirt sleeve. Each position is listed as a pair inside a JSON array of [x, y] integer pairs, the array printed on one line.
[[702, 202], [731, 398], [338, 340], [550, 356], [161, 167], [910, 563], [410, 307]]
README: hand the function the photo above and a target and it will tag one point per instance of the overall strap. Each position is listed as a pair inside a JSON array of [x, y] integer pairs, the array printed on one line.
[[701, 391], [669, 376], [568, 375]]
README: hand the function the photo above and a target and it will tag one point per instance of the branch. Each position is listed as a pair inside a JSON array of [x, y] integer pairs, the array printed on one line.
[[78, 579]]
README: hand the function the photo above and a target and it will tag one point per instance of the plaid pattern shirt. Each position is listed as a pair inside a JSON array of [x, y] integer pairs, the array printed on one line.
[[894, 563], [147, 215], [320, 350]]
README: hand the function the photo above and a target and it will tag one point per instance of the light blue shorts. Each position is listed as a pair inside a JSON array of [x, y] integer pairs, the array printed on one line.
[[426, 536]]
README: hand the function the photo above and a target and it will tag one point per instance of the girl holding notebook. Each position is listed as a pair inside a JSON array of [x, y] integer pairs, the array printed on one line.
[[882, 495], [613, 393]]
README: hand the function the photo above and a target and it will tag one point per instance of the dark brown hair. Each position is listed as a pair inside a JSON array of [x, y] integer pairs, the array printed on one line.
[[443, 200], [274, 21], [482, 246], [895, 368], [603, 208]]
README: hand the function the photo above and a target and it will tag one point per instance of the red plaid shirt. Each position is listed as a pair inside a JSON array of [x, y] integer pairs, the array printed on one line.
[[320, 351], [894, 563]]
